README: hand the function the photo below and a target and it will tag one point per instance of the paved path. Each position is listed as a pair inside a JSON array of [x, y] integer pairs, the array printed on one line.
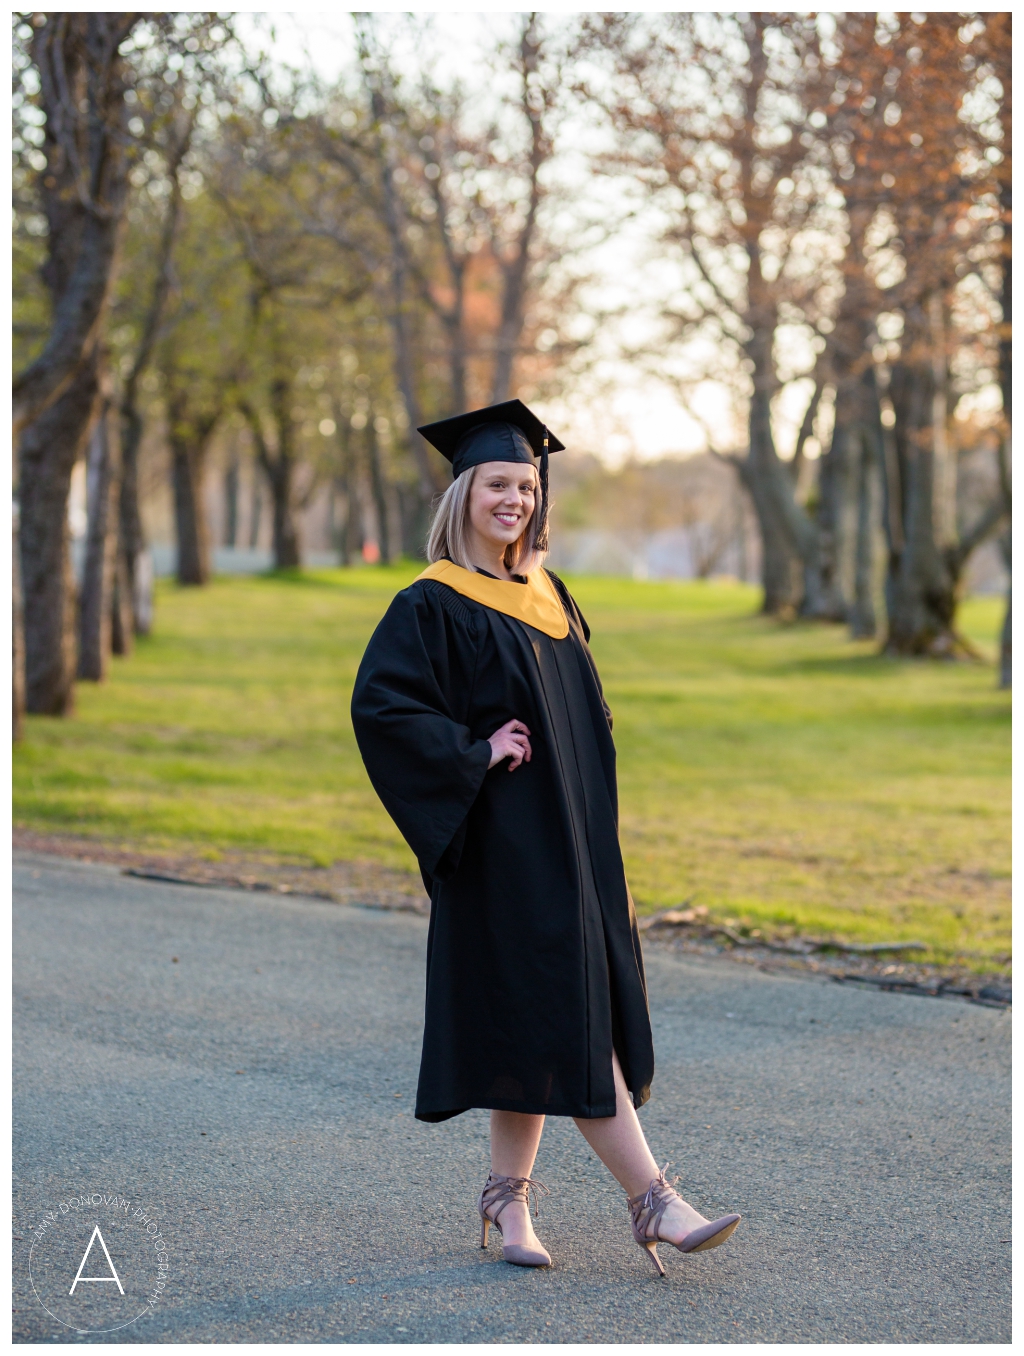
[[257, 1095]]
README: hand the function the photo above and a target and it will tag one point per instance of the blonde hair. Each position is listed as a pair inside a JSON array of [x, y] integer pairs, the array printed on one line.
[[451, 517]]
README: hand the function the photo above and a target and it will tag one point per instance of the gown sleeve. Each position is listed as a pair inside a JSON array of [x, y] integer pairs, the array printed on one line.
[[409, 709]]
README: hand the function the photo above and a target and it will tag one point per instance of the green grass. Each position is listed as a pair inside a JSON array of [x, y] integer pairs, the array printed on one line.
[[781, 775]]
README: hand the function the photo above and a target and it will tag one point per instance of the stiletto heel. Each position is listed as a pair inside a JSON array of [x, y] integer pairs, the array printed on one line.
[[647, 1209], [499, 1190], [652, 1252]]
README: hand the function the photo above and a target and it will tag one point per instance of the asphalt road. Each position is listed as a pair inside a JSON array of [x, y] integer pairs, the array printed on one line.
[[257, 1094]]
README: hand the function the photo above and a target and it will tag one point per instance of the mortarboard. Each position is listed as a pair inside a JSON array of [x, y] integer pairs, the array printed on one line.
[[490, 435], [506, 432]]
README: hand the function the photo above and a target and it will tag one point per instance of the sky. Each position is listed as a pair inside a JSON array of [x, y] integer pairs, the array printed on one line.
[[619, 411]]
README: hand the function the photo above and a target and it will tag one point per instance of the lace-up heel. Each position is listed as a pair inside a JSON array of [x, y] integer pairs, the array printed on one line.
[[647, 1209], [499, 1191]]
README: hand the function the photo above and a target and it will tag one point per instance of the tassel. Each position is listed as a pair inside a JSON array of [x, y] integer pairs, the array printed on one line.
[[542, 526]]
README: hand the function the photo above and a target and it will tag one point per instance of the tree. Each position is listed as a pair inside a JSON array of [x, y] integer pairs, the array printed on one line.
[[716, 115], [179, 78], [995, 50], [295, 295], [349, 196], [440, 210], [95, 615], [81, 186], [720, 115], [514, 212], [849, 468], [132, 543], [97, 97], [82, 82], [470, 199], [17, 643], [760, 138], [364, 458], [919, 168], [278, 460], [199, 352]]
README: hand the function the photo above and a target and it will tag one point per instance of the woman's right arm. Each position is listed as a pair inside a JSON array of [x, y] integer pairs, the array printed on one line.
[[409, 704]]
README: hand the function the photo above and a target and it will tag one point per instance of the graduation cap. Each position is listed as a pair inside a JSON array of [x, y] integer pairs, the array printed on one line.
[[506, 432]]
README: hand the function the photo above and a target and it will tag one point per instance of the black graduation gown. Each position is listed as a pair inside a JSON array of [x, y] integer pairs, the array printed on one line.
[[534, 966]]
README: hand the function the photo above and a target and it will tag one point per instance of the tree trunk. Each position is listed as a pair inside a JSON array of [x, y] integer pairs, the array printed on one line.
[[231, 477], [926, 559], [132, 540], [122, 608], [1006, 635], [510, 328], [760, 472], [455, 324], [96, 596], [380, 501], [17, 640], [923, 604], [849, 472], [921, 590], [341, 520], [82, 195], [286, 535], [778, 565], [279, 469], [943, 455], [142, 597], [82, 94], [256, 509], [125, 616], [342, 489], [892, 507], [833, 479], [49, 448], [862, 614], [741, 532], [1004, 71], [414, 516], [188, 465]]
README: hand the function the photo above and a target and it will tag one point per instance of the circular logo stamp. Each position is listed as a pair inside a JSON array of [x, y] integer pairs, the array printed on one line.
[[98, 1262]]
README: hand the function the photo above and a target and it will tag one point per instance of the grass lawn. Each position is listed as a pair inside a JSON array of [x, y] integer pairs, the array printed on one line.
[[781, 775]]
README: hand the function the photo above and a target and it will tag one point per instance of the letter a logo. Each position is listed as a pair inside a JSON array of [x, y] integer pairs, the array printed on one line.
[[85, 1257]]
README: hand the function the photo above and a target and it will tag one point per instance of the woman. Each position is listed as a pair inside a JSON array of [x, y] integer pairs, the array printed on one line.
[[481, 720]]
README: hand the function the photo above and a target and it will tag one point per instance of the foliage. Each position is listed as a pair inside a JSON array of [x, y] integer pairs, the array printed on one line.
[[781, 776]]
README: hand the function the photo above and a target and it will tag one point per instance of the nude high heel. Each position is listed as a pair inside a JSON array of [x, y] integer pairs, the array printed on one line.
[[647, 1209], [499, 1191]]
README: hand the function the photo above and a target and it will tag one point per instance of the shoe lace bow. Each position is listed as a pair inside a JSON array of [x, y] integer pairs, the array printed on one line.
[[658, 1193], [518, 1189]]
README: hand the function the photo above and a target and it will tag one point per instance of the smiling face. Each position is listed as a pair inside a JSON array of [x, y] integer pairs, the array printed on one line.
[[502, 499]]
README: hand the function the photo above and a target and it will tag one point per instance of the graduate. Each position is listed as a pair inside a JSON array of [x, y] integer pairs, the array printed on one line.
[[483, 726]]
